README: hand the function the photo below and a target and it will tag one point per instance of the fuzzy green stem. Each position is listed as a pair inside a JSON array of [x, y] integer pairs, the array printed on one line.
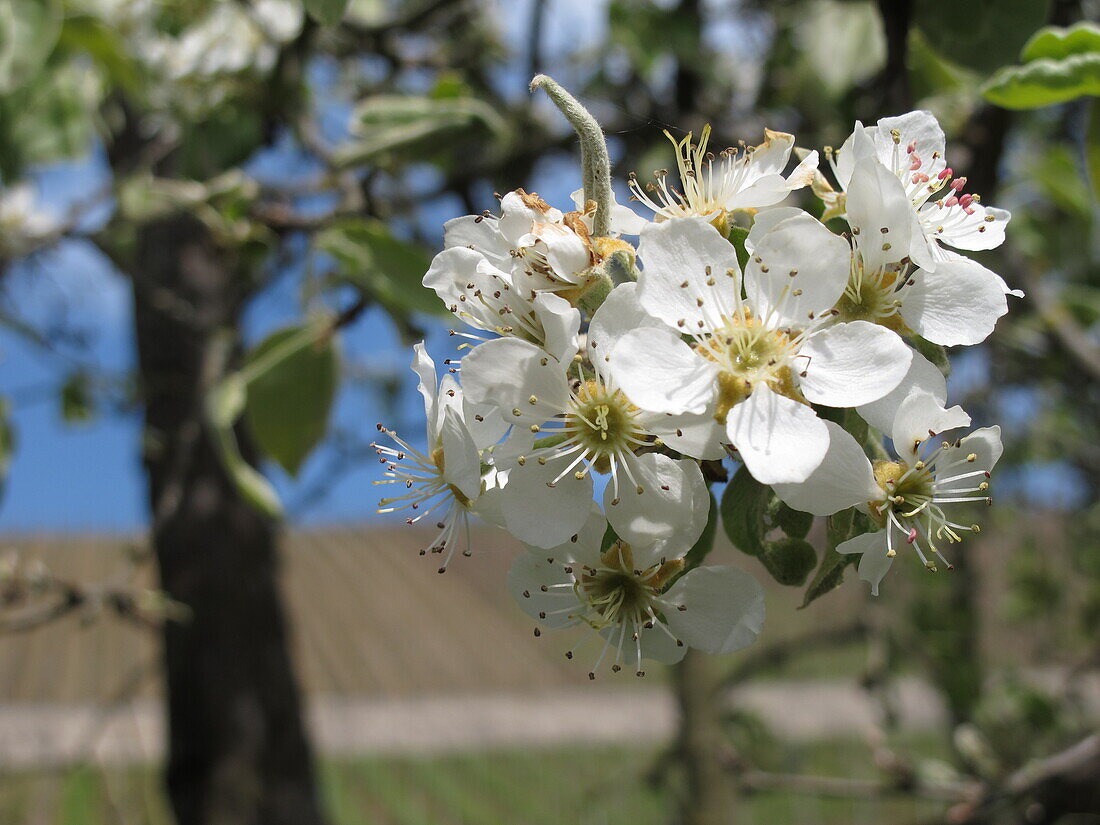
[[595, 162]]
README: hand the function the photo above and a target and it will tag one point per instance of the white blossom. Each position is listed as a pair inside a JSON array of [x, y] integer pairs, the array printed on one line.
[[22, 221], [914, 498], [445, 479], [754, 362], [583, 423], [747, 178], [632, 609]]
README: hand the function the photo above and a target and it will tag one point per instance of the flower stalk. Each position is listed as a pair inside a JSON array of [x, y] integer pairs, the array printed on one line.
[[595, 161]]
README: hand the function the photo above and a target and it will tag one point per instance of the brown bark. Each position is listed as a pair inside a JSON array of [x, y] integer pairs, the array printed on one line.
[[238, 753], [704, 750]]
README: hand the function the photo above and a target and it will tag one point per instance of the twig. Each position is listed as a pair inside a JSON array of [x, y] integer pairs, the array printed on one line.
[[781, 652]]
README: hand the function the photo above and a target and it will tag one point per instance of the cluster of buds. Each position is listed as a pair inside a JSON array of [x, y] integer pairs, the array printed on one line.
[[598, 368]]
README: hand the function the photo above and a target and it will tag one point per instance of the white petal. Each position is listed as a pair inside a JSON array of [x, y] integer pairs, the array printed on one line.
[[844, 479], [620, 313], [724, 609], [517, 216], [699, 436], [983, 227], [985, 444], [797, 268], [920, 417], [624, 220], [959, 303], [875, 561], [586, 549], [424, 367], [481, 234], [528, 575], [545, 516], [508, 372], [763, 222], [778, 439], [484, 421], [461, 464], [563, 249], [560, 325], [877, 201], [692, 252], [655, 645], [852, 363], [659, 522], [771, 156], [856, 146], [659, 372], [919, 129], [923, 376]]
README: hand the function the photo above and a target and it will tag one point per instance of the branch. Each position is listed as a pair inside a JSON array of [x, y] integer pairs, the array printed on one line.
[[779, 653]]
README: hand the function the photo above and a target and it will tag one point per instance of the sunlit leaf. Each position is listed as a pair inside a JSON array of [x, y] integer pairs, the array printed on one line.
[[1056, 43], [1045, 82]]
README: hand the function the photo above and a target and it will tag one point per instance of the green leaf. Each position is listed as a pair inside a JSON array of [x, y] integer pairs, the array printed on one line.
[[795, 523], [255, 489], [737, 237], [609, 538], [89, 35], [1056, 43], [701, 549], [745, 503], [390, 270], [47, 119], [76, 399], [1045, 82], [414, 125], [790, 560], [28, 32], [327, 12], [830, 573], [934, 353], [291, 378], [224, 404], [980, 35]]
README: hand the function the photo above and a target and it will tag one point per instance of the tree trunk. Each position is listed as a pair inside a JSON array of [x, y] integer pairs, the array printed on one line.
[[238, 754], [704, 751]]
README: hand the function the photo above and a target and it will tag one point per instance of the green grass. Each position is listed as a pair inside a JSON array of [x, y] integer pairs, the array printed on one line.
[[601, 786]]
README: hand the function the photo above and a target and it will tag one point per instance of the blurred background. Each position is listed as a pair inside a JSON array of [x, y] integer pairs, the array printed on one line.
[[190, 184]]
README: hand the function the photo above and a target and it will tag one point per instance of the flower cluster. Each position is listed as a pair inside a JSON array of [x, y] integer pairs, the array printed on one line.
[[734, 328]]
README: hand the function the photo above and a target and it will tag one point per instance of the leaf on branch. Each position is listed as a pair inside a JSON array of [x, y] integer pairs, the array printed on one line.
[[327, 12], [291, 385], [1060, 64], [28, 32], [386, 123], [76, 399], [224, 404], [1045, 82], [840, 527], [370, 258], [790, 560], [745, 501]]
